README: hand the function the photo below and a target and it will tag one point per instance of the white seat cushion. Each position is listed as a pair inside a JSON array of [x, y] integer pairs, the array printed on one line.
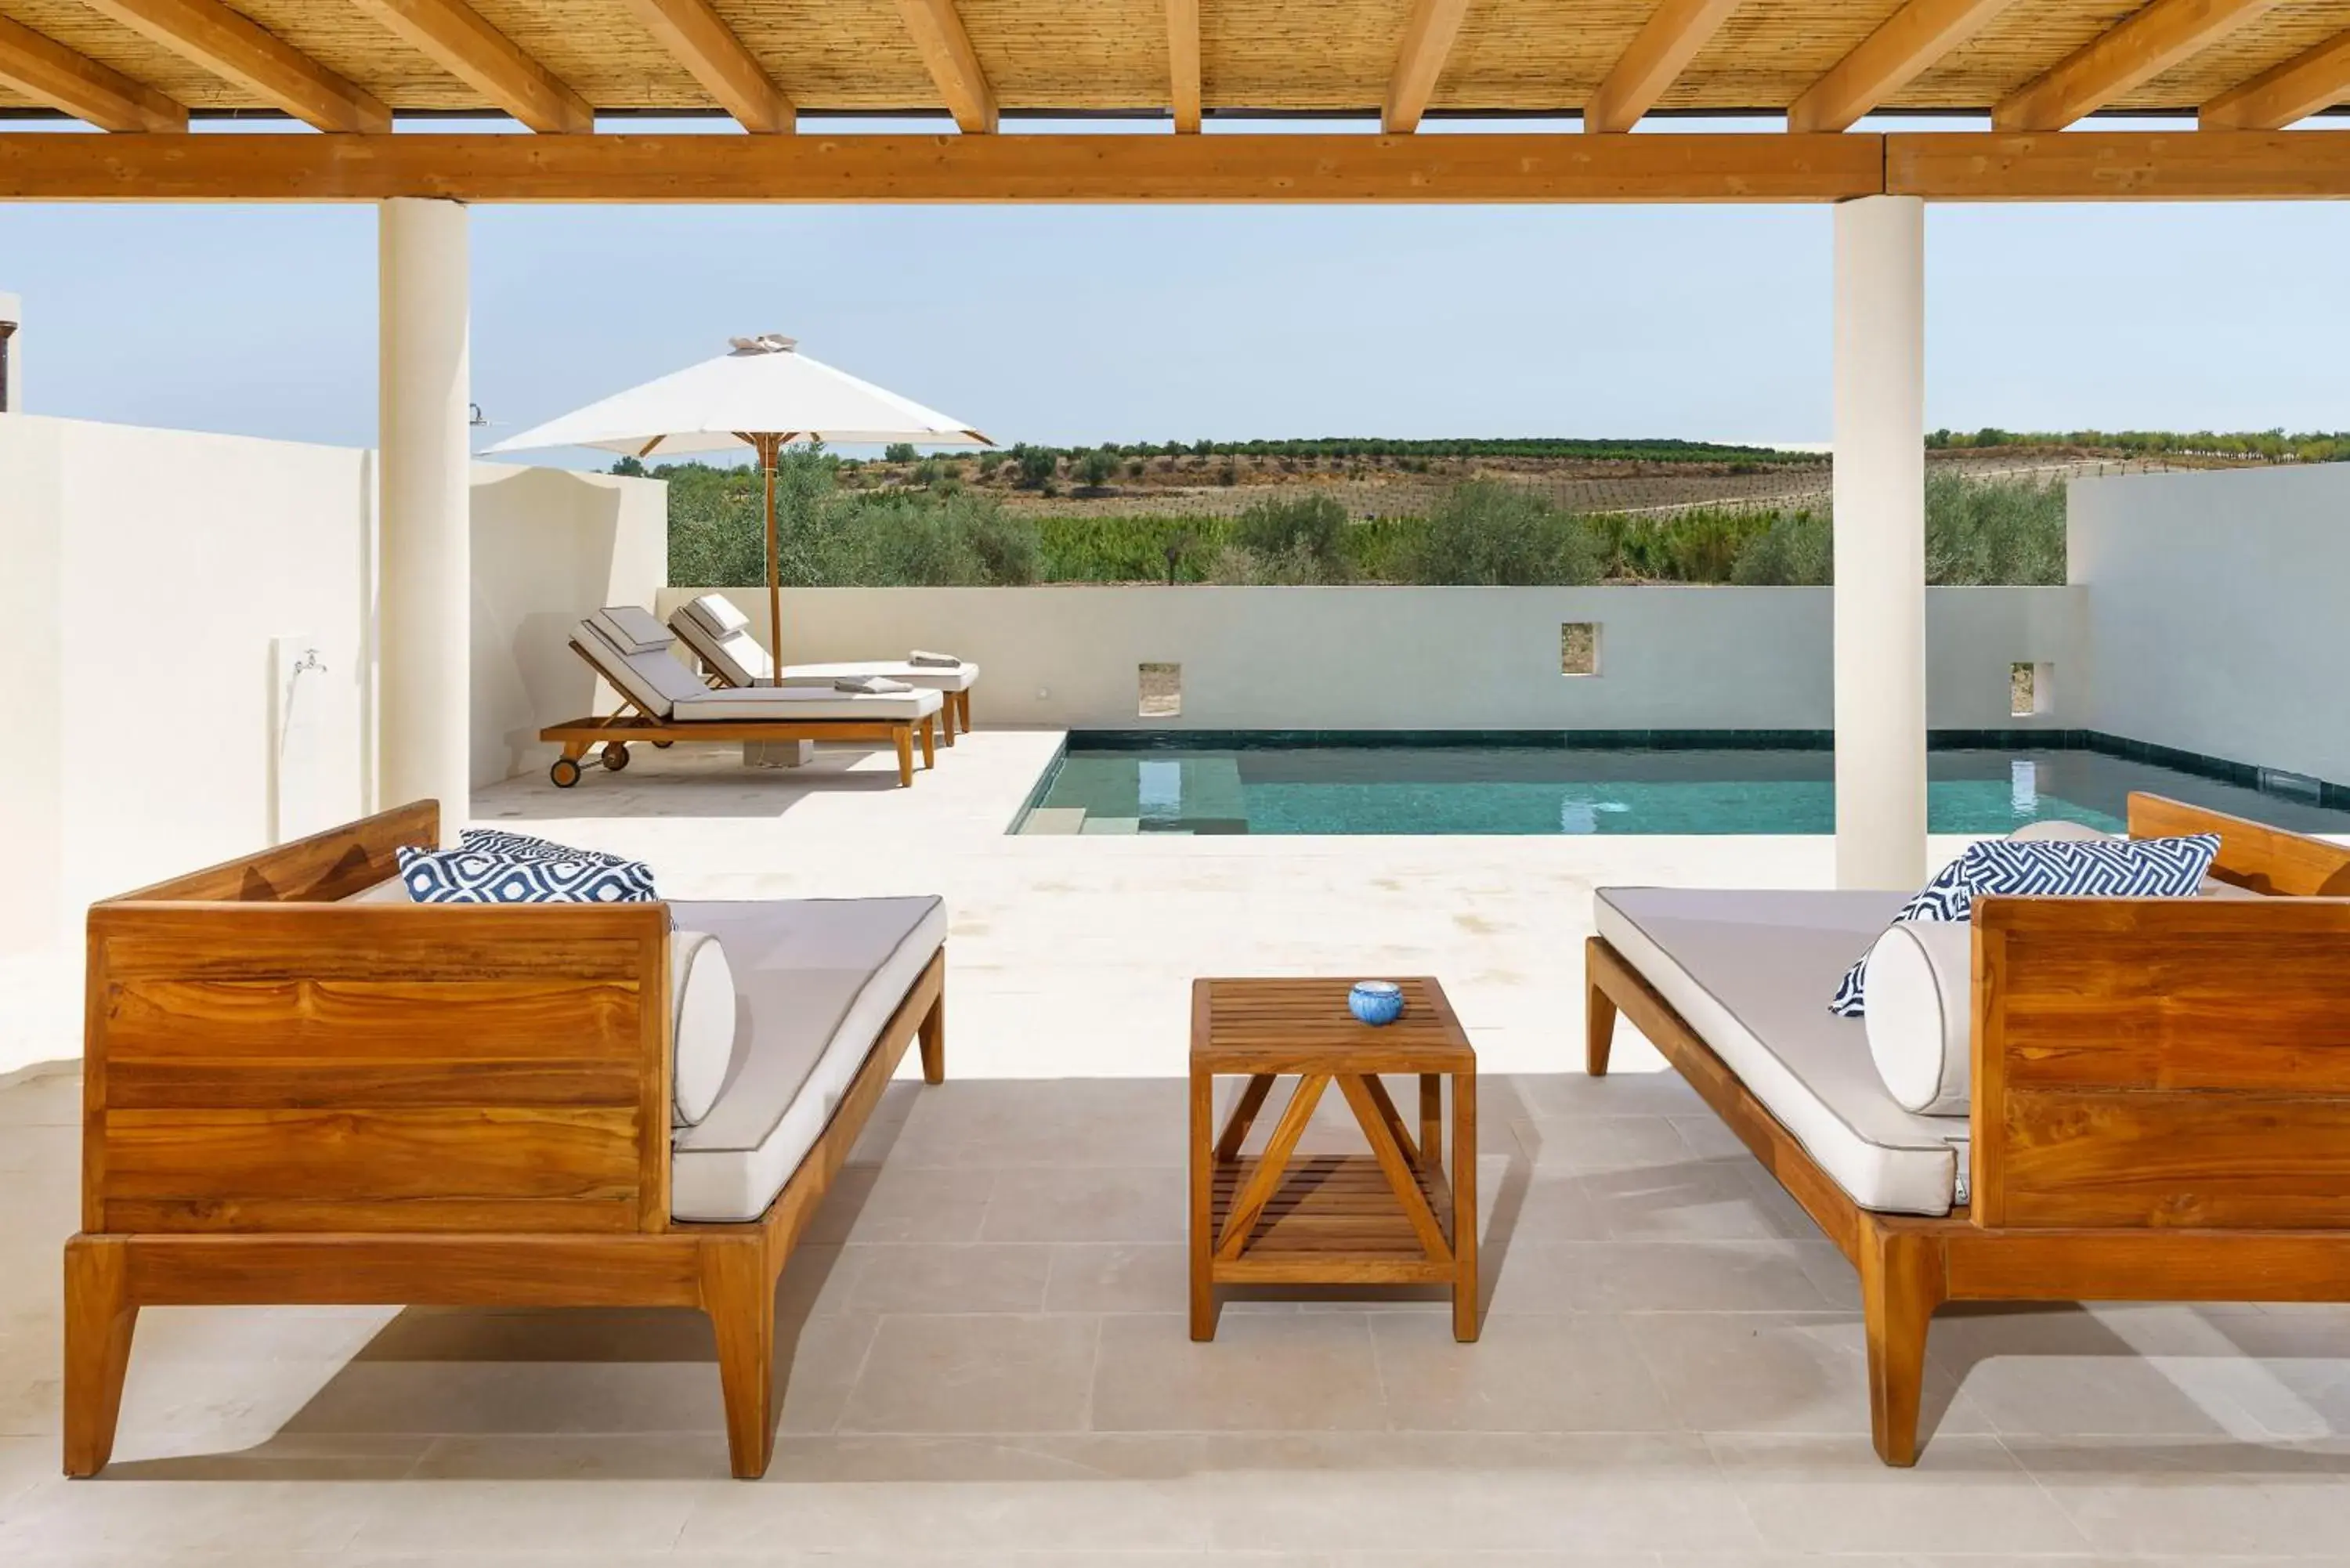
[[1751, 974], [795, 704], [817, 979], [923, 677]]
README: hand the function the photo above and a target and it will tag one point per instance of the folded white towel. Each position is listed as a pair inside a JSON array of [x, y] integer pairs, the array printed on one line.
[[870, 685], [937, 661]]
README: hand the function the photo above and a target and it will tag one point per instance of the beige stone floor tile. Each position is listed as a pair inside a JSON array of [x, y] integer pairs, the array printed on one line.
[[146, 1519], [1655, 1276], [900, 1202], [551, 1517], [1577, 1373], [2198, 1498], [43, 1100], [1096, 1203], [1774, 1371], [1069, 1122], [1694, 1200], [1262, 1372], [989, 1373], [983, 1277], [2061, 1369], [1586, 1145], [1965, 1495], [1528, 1205], [1120, 1277], [1572, 1094], [1474, 1492]]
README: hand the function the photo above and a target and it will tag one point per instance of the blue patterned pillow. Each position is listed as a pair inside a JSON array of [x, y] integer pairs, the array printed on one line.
[[2109, 869], [498, 841], [2047, 868], [475, 873], [1946, 897]]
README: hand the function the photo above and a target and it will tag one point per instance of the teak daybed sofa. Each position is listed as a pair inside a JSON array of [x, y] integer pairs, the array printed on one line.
[[2159, 1101], [297, 1093], [630, 649]]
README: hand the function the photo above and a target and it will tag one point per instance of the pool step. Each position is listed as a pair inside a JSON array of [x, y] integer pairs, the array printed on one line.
[[1111, 825], [1055, 819]]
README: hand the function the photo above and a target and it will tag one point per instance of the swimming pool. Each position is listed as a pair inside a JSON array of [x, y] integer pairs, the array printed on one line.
[[1101, 784]]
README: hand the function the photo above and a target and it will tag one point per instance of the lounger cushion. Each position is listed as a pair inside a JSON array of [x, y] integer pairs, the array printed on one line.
[[801, 704], [717, 612], [1746, 971], [923, 677], [816, 981], [1920, 1014], [631, 629], [736, 655], [703, 1006], [651, 678]]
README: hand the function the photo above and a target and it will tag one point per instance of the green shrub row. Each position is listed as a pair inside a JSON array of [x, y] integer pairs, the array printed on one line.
[[1482, 532]]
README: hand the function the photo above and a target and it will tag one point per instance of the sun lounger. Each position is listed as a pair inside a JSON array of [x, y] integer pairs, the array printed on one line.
[[302, 1092], [719, 635], [631, 650], [2157, 1090]]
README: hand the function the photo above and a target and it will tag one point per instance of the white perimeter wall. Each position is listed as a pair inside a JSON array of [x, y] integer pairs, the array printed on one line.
[[144, 575], [2214, 620], [1401, 658]]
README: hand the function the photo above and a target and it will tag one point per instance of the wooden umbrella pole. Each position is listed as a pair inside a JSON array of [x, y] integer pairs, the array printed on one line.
[[770, 447]]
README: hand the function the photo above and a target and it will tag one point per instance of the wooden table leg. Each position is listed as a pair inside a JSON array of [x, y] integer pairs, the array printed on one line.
[[1203, 1204], [1431, 1121], [1464, 1207]]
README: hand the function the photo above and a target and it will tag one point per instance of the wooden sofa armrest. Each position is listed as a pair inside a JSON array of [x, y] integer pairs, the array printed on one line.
[[2252, 854], [2161, 1062], [259, 1067], [322, 867]]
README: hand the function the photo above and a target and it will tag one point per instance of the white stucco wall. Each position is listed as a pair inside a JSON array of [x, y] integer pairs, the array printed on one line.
[[2213, 617], [144, 575], [1391, 658]]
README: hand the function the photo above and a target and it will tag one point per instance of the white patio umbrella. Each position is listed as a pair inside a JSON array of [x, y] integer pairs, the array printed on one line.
[[763, 394]]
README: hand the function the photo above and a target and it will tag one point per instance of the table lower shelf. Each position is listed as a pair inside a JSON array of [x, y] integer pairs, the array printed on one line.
[[1332, 1221]]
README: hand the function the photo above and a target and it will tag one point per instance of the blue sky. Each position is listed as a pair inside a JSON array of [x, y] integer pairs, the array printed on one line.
[[1067, 324]]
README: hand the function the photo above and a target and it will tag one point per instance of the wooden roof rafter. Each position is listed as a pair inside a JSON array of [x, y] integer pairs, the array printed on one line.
[[1183, 63], [1428, 37], [693, 32], [2139, 49], [231, 45], [2315, 80], [455, 37], [1653, 61], [1905, 47], [945, 47], [72, 83]]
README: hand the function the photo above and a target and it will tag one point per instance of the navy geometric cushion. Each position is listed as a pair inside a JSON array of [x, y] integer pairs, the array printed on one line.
[[2114, 868], [2106, 868], [476, 873], [498, 841], [1946, 897]]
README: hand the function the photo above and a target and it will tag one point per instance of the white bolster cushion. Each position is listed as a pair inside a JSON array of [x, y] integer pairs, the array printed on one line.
[[701, 992], [1920, 1008]]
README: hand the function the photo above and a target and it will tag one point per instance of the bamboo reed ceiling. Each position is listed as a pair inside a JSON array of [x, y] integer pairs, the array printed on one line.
[[1113, 56]]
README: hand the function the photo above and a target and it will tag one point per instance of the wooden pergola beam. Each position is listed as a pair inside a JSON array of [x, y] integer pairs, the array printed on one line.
[[1183, 62], [1965, 166], [1658, 54], [705, 46], [1908, 45], [455, 37], [64, 79], [2119, 166], [2314, 79], [945, 47], [1426, 44], [225, 43], [619, 167], [2109, 64]]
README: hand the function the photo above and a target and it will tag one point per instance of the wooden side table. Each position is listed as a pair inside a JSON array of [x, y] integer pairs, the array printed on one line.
[[1390, 1217]]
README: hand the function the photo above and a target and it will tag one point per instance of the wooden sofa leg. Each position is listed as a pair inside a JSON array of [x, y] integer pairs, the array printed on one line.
[[1901, 1283], [1598, 1024], [934, 1035], [929, 742], [738, 1293], [904, 735], [99, 1318]]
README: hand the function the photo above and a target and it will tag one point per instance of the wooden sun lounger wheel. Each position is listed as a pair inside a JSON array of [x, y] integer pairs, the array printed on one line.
[[564, 772], [616, 755]]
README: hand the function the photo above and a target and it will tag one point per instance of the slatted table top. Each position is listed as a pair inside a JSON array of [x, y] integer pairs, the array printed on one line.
[[1302, 1025]]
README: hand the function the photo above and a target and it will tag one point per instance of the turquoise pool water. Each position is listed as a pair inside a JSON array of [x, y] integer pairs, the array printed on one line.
[[1444, 789]]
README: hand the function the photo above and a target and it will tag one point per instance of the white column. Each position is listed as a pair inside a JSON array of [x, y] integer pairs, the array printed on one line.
[[1880, 542], [423, 628]]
